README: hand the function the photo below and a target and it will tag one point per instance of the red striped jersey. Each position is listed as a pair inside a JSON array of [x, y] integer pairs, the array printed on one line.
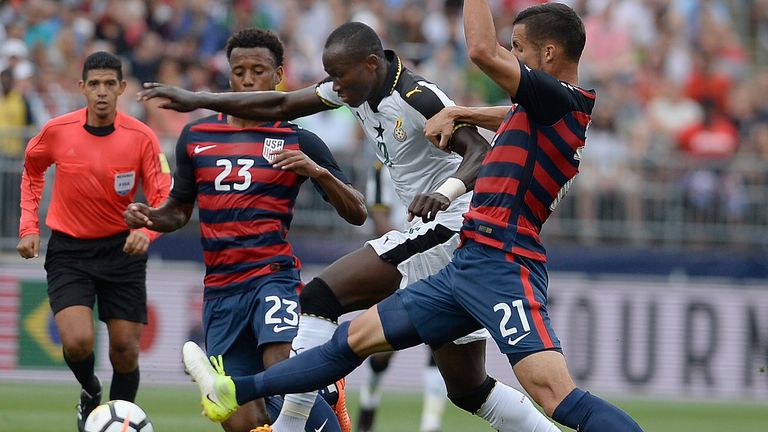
[[245, 205], [529, 169]]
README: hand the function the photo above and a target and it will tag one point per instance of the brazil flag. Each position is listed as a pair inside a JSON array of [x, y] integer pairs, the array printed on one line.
[[39, 341]]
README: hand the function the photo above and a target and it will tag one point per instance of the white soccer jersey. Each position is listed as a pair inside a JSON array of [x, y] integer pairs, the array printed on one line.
[[395, 121]]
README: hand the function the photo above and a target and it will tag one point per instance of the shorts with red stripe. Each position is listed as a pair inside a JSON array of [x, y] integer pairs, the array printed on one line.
[[484, 287]]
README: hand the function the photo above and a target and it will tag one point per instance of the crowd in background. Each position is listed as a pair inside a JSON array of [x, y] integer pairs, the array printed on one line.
[[680, 130]]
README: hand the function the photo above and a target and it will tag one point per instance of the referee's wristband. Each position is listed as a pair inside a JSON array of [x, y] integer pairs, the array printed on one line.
[[452, 188]]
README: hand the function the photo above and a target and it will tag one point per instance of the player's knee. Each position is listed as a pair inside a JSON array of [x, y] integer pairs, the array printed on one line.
[[474, 399], [380, 363], [77, 346], [317, 299], [124, 355]]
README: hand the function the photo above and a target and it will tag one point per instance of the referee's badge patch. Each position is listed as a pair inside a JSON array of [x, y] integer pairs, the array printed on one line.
[[271, 145], [124, 182], [399, 132]]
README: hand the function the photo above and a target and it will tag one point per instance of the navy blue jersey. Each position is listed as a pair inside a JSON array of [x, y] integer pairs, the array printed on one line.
[[533, 160], [245, 205]]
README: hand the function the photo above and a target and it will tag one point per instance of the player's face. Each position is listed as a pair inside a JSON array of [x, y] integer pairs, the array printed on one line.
[[101, 89], [525, 50], [253, 69], [353, 81]]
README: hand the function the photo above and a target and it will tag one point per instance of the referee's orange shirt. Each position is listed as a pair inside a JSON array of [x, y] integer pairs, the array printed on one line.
[[96, 176]]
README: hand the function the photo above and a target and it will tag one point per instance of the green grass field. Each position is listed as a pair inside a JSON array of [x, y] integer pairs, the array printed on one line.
[[41, 407]]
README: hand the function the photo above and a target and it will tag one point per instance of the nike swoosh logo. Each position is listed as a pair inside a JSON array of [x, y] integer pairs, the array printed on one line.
[[199, 149], [519, 338], [208, 396], [278, 329], [322, 426], [415, 90]]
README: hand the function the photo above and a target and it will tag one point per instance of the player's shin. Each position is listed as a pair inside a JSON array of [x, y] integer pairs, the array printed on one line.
[[304, 372], [583, 411], [313, 331]]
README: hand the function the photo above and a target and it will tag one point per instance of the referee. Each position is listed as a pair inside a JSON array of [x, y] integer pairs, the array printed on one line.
[[100, 155]]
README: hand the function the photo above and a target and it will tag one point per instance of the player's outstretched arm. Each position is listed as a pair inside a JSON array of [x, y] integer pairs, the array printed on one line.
[[171, 216], [484, 50], [262, 105], [467, 142], [348, 201], [440, 128]]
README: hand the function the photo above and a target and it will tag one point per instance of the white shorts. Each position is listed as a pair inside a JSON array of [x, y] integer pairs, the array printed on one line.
[[421, 251]]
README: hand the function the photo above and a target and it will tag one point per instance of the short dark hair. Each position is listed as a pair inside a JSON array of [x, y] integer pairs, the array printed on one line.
[[358, 40], [256, 38], [103, 60], [554, 22]]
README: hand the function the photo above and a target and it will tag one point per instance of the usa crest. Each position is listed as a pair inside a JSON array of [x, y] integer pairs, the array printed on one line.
[[124, 182], [271, 145]]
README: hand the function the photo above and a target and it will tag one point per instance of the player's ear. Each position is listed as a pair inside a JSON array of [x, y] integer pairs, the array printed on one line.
[[372, 62], [277, 77], [550, 50], [123, 85]]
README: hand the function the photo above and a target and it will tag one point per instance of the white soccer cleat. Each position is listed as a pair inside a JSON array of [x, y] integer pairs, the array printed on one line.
[[217, 389]]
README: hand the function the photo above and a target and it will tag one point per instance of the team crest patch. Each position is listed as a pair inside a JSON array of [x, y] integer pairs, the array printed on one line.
[[124, 182], [399, 132], [271, 145]]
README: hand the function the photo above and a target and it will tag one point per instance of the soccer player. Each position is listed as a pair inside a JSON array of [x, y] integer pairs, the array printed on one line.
[[497, 279], [245, 176], [99, 154], [392, 105], [388, 214]]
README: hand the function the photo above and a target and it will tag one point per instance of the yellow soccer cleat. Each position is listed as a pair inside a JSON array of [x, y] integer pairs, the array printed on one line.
[[217, 389], [265, 428]]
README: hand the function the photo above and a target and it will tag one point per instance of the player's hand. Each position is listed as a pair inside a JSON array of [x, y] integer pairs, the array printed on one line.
[[137, 243], [29, 246], [296, 161], [439, 128], [426, 206], [136, 215], [178, 99]]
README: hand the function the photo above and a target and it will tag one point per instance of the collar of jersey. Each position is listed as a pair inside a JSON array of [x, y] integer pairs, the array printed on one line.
[[390, 81]]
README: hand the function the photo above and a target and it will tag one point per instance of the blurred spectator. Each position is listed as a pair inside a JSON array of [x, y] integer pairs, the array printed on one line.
[[15, 116]]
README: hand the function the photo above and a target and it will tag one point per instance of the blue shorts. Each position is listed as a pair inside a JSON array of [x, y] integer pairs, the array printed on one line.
[[239, 325], [484, 287]]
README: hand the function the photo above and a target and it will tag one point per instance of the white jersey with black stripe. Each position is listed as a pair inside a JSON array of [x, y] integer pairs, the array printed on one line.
[[395, 121]]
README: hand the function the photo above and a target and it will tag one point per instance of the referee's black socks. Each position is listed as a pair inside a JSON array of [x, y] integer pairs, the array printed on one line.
[[83, 370], [124, 385]]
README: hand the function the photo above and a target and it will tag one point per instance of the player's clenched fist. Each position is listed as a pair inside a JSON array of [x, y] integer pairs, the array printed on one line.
[[426, 206], [136, 215], [29, 246]]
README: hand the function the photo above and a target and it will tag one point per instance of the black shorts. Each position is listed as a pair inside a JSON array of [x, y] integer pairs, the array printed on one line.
[[81, 272]]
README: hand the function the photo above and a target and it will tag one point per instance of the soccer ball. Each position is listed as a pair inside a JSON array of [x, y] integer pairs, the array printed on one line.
[[118, 416]]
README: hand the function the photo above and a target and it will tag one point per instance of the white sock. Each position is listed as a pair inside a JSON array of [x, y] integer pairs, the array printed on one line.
[[293, 416], [508, 410], [370, 392], [435, 396]]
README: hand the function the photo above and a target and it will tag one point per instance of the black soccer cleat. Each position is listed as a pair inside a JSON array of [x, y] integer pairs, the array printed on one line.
[[87, 404]]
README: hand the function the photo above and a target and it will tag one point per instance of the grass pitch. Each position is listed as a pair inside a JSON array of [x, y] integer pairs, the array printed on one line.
[[45, 407]]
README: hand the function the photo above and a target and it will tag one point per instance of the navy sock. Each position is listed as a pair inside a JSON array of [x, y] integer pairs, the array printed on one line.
[[585, 412], [308, 371]]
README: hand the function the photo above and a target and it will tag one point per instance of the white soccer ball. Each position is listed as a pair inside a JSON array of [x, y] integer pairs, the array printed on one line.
[[118, 416]]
